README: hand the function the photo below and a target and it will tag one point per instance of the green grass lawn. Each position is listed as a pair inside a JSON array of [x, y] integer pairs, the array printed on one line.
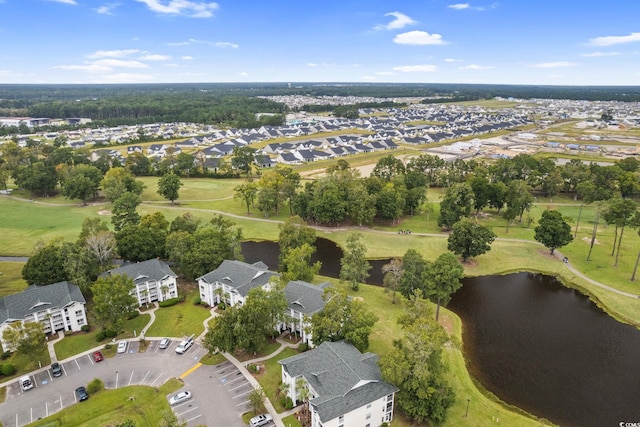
[[271, 375], [142, 404], [11, 281], [180, 320], [80, 342]]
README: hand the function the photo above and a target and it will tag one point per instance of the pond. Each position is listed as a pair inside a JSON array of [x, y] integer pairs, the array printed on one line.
[[531, 341], [549, 350]]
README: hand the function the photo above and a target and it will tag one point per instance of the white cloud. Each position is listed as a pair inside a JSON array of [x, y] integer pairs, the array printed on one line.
[[121, 53], [401, 20], [107, 9], [226, 44], [92, 68], [423, 68], [73, 2], [476, 67], [311, 64], [370, 78], [119, 63], [126, 78], [453, 60], [598, 54], [155, 57], [192, 74], [418, 38], [182, 7], [187, 58], [611, 40], [558, 64], [385, 73], [244, 74], [459, 6]]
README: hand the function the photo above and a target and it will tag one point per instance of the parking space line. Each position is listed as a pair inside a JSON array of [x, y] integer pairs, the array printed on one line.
[[242, 394], [222, 370], [187, 411], [243, 403], [229, 374], [233, 380], [240, 386], [77, 364], [90, 360], [131, 377], [145, 377], [196, 366], [191, 419], [117, 375]]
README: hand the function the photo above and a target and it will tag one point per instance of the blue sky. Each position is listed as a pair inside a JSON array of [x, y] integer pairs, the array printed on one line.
[[559, 42]]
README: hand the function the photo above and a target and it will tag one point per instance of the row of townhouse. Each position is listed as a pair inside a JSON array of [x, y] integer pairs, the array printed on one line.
[[345, 386]]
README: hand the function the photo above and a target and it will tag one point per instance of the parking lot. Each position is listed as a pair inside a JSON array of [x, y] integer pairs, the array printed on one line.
[[219, 392]]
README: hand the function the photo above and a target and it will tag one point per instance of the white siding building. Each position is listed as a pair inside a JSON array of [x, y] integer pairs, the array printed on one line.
[[345, 386], [153, 279], [59, 307], [231, 282], [304, 300]]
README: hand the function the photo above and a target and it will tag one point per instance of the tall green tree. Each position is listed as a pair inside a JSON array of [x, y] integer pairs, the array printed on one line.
[[26, 338], [518, 197], [83, 182], [242, 159], [552, 230], [46, 265], [392, 272], [620, 212], [469, 239], [443, 279], [112, 302], [354, 268], [417, 367], [293, 233], [119, 180], [297, 264], [247, 193], [124, 210], [456, 203], [412, 279], [388, 167], [37, 178], [343, 318], [169, 187]]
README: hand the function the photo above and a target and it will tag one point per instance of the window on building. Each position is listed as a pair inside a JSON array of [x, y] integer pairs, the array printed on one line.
[[78, 313], [369, 406], [80, 321], [368, 415]]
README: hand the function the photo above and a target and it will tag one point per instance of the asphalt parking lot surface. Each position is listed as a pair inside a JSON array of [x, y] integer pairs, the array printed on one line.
[[219, 393]]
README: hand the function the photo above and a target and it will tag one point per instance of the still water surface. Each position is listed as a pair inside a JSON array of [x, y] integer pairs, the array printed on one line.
[[549, 350], [532, 342]]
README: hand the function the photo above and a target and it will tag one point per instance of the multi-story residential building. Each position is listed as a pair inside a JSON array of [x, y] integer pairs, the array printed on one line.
[[154, 280], [345, 386], [59, 307]]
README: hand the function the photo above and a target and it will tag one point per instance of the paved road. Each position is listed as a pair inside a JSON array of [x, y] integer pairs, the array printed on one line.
[[222, 384]]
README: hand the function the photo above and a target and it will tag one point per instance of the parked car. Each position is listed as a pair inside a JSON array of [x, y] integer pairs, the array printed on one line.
[[81, 394], [165, 343], [184, 345], [97, 356], [56, 369], [260, 420], [181, 397], [25, 383], [122, 346]]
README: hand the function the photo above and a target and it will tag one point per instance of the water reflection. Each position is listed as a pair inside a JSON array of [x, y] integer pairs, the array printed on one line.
[[549, 350]]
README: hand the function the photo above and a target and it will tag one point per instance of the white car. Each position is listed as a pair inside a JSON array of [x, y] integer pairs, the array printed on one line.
[[26, 383], [184, 345], [181, 397], [260, 420], [122, 346], [164, 343]]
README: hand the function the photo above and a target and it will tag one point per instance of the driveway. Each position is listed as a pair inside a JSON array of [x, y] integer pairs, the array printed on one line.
[[217, 390]]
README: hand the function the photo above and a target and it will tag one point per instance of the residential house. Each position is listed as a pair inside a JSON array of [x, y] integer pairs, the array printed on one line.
[[154, 280], [231, 282], [304, 300], [345, 386], [59, 307]]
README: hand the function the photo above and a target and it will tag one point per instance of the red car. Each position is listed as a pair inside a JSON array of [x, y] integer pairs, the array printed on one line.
[[97, 356]]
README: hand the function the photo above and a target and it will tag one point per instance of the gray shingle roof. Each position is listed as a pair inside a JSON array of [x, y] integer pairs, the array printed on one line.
[[240, 276], [140, 272], [305, 297], [343, 378], [39, 297]]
